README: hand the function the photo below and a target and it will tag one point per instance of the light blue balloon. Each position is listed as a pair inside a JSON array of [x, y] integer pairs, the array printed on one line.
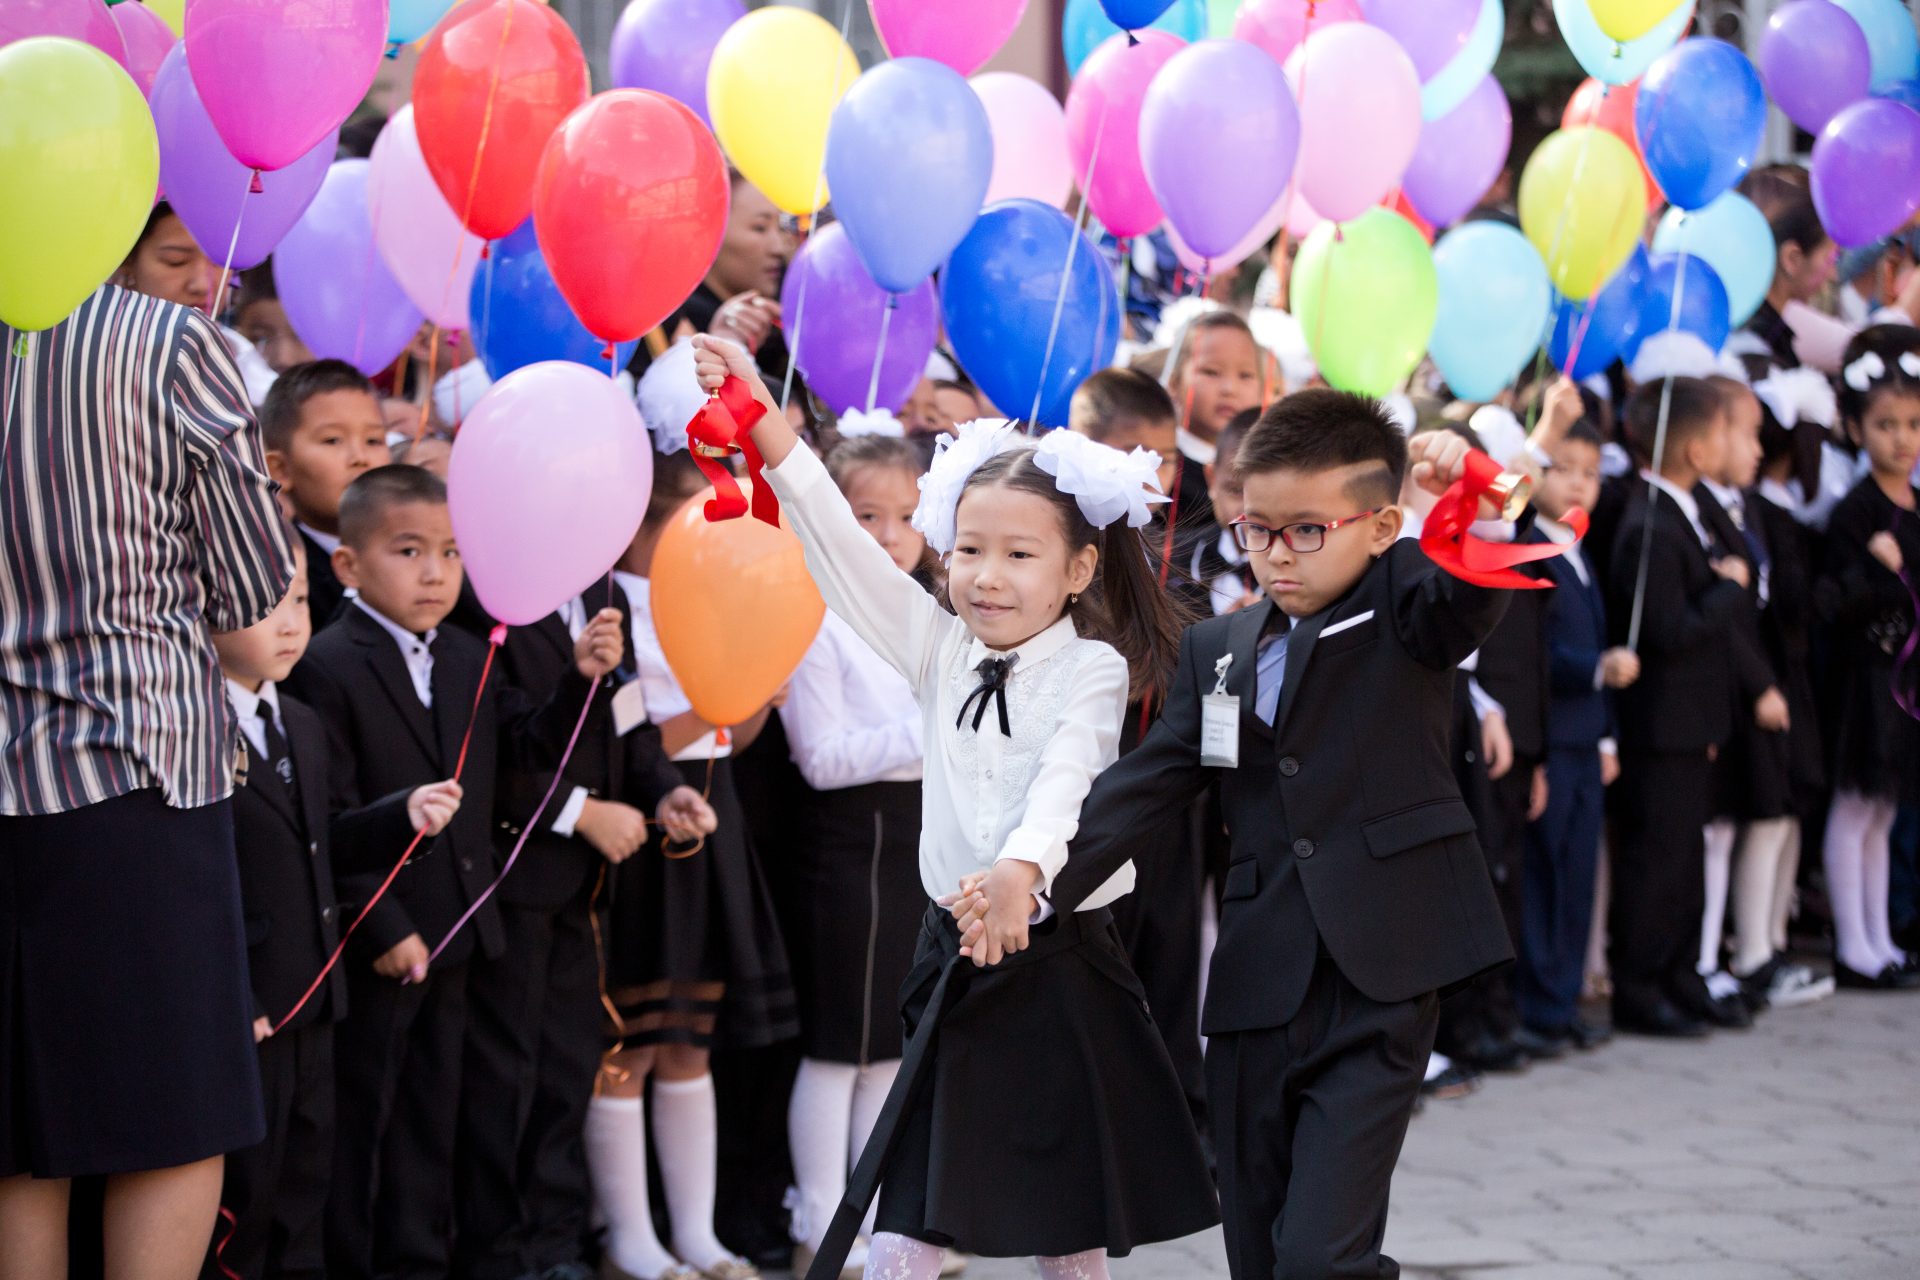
[[1085, 26], [1890, 36], [1494, 302], [408, 20], [1606, 59], [1733, 238], [1452, 83]]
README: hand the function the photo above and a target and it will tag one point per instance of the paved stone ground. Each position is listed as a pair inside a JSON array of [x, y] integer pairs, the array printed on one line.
[[1792, 1150]]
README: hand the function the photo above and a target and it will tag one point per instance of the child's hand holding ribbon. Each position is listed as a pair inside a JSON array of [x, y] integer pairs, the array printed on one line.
[[1472, 487]]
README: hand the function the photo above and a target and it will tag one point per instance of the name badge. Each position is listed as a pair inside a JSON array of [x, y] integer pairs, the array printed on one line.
[[629, 708], [1220, 722]]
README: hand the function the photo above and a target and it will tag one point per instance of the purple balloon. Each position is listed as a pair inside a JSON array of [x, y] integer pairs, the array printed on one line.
[[836, 328], [1431, 31], [1460, 155], [1866, 171], [1211, 107], [1815, 62], [209, 189], [338, 294], [665, 45]]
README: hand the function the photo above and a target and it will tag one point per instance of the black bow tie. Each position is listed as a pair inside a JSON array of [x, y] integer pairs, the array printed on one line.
[[993, 687]]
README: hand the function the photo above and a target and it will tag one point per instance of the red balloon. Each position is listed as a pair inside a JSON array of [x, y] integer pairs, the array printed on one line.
[[1593, 104], [630, 205], [525, 57], [1399, 203]]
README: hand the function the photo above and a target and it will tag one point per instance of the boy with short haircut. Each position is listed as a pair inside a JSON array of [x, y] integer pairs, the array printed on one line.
[[401, 697], [1356, 890], [323, 428]]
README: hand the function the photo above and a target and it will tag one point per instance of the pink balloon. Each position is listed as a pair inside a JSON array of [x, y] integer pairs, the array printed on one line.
[[1359, 117], [547, 485], [1255, 240], [1030, 154], [1302, 217], [419, 235], [88, 21], [1278, 26], [964, 34], [276, 76], [1103, 110], [148, 38]]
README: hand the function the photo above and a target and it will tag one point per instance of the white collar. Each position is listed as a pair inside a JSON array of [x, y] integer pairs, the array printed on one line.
[[1034, 652], [1201, 451], [639, 590], [246, 703], [1729, 496], [406, 639], [327, 542], [1778, 494]]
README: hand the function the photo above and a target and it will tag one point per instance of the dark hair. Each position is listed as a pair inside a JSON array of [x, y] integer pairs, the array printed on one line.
[[1115, 396], [1227, 443], [1889, 342], [1203, 323], [854, 452], [1124, 606], [1774, 185], [256, 285], [280, 413], [676, 478], [956, 384], [1321, 429], [1797, 222], [405, 447], [162, 210], [1583, 432], [1694, 407], [364, 505]]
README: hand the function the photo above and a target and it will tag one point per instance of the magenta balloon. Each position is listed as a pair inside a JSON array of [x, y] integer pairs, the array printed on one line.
[[1815, 61], [88, 21], [1218, 133], [838, 325], [209, 188], [1460, 155], [338, 294], [964, 34], [665, 45], [276, 76], [1359, 117], [148, 39], [1103, 111], [547, 485], [1431, 31], [1866, 171], [1278, 26]]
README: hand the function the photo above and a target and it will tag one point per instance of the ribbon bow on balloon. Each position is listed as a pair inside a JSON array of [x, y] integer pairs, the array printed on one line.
[[720, 429], [1448, 542]]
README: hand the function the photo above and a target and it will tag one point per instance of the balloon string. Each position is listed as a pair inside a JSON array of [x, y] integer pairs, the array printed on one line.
[[799, 317], [819, 198], [233, 246], [880, 350], [1659, 451], [16, 351], [1066, 274], [1567, 206]]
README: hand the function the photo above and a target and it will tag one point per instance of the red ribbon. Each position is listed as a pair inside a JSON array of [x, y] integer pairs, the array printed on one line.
[[1448, 543], [723, 426]]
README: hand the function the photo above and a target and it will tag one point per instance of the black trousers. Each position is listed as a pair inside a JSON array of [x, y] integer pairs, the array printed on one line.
[[397, 1059], [277, 1190], [1159, 925], [1662, 803], [1308, 1123], [1486, 1006], [1562, 861], [533, 1046]]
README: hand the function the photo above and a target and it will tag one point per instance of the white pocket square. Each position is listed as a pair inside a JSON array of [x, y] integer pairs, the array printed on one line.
[[1347, 624]]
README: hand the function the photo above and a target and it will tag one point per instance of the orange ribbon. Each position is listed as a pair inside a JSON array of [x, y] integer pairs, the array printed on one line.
[[722, 427]]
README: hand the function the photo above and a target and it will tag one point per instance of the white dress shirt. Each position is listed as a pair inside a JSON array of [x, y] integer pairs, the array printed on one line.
[[414, 650], [850, 718], [1201, 451], [246, 706], [659, 687], [986, 796]]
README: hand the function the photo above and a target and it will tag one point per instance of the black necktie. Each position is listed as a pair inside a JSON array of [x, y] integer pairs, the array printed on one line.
[[993, 687], [278, 758]]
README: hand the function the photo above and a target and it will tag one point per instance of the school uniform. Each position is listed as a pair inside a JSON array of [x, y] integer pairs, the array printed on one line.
[[1179, 526], [1875, 748], [1750, 774], [1045, 1070], [1672, 721], [1356, 893], [1221, 566], [325, 592], [1787, 620], [396, 708]]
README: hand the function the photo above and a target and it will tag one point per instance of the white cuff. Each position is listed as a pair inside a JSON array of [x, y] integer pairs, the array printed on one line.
[[1610, 747], [570, 812], [1484, 703], [1043, 912]]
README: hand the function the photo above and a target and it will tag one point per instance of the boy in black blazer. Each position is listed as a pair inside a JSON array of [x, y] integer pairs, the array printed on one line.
[[396, 691], [286, 845], [1356, 890]]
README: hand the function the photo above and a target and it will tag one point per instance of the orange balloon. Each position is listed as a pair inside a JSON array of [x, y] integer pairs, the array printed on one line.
[[1612, 109], [734, 609]]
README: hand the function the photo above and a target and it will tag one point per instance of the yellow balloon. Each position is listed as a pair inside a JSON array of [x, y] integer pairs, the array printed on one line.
[[1630, 19], [173, 11], [775, 78], [81, 162], [1583, 204]]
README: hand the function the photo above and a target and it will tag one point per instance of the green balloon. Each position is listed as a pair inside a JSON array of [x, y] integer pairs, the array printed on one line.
[[1220, 16], [1366, 295]]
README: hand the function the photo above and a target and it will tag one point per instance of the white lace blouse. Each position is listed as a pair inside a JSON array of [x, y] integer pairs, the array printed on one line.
[[986, 796]]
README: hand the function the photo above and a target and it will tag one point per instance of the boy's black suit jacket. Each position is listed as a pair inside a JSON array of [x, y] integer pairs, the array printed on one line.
[[325, 594], [1579, 712], [1345, 819]]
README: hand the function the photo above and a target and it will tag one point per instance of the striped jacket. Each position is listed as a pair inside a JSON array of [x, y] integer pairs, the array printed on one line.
[[135, 518]]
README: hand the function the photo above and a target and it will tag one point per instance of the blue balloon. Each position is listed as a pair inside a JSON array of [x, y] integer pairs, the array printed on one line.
[[1494, 296], [1731, 236], [1611, 319], [1606, 59], [909, 156], [1699, 119], [519, 317], [1131, 15], [1890, 35], [1465, 70], [1084, 27], [408, 20], [1703, 308], [1905, 92], [997, 295]]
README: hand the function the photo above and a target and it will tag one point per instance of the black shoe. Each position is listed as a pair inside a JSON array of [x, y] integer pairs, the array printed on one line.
[[1497, 1054], [1586, 1035], [1891, 978], [1728, 1013], [1457, 1081], [1543, 1046], [1662, 1019]]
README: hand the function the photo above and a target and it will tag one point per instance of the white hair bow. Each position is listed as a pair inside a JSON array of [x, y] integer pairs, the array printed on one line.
[[955, 458], [669, 396], [873, 422], [1798, 395], [1870, 368], [1106, 483]]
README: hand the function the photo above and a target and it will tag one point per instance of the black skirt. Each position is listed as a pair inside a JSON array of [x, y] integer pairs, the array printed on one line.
[[126, 1024], [853, 916], [694, 950], [1053, 1122]]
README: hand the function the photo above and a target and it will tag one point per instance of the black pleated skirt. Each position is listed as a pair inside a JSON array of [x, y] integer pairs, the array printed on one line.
[[695, 953], [126, 1023]]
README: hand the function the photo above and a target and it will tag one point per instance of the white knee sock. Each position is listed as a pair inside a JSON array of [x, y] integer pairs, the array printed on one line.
[[869, 1096], [1848, 824], [1786, 885], [685, 1131], [1720, 835], [1875, 884], [616, 1141], [893, 1257], [819, 1118], [1091, 1265], [1754, 871]]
